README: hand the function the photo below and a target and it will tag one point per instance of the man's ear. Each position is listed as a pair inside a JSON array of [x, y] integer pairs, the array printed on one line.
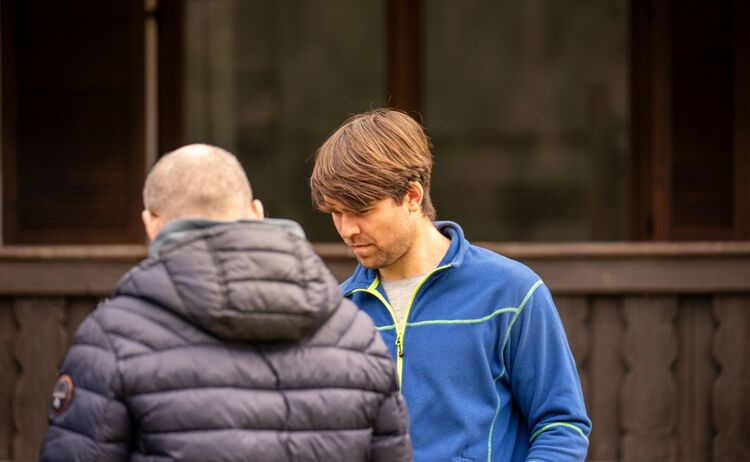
[[414, 196], [152, 223], [256, 210]]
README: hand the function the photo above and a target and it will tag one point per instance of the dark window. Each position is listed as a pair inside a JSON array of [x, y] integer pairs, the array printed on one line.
[[526, 102], [269, 80]]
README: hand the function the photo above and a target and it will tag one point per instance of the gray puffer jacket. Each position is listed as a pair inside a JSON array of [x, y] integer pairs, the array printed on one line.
[[232, 344]]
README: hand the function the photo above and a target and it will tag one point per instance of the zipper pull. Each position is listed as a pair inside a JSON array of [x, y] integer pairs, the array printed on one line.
[[400, 346]]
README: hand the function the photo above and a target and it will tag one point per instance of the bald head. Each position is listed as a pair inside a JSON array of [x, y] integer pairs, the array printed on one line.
[[198, 180]]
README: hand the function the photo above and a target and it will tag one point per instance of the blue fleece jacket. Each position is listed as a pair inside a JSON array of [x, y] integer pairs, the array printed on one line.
[[485, 367]]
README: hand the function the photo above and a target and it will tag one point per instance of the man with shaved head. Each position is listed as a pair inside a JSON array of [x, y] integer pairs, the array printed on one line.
[[231, 342]]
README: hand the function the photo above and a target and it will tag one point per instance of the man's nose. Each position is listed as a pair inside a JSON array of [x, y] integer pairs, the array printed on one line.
[[349, 226]]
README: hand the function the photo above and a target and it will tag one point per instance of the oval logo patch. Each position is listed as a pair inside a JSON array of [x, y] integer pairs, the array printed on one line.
[[62, 394]]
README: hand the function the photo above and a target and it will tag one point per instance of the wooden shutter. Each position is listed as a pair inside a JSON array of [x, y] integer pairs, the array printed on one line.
[[73, 121], [691, 116]]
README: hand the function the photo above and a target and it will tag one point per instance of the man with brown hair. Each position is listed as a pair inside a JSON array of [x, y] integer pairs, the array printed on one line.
[[482, 357]]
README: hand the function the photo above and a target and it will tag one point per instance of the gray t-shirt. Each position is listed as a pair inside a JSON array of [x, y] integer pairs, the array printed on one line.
[[399, 293]]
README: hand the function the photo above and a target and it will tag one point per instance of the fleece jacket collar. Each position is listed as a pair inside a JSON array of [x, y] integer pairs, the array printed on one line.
[[363, 277]]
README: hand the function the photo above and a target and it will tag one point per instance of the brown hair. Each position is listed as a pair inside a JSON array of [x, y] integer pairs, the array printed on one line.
[[370, 157]]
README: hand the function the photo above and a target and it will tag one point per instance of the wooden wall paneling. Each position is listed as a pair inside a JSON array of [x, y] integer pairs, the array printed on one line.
[[606, 374], [648, 402], [696, 372], [8, 376], [731, 391], [40, 346], [78, 309], [662, 275], [574, 312]]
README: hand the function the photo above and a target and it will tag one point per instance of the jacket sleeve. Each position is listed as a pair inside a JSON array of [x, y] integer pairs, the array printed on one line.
[[390, 439], [88, 419], [545, 383]]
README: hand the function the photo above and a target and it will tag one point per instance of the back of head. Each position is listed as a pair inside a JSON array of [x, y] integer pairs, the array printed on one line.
[[370, 157], [197, 180]]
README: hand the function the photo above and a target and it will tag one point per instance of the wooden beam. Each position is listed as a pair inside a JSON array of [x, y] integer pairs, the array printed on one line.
[[404, 46], [574, 269]]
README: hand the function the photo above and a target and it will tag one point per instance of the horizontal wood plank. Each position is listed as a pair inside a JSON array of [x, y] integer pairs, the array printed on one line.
[[568, 269]]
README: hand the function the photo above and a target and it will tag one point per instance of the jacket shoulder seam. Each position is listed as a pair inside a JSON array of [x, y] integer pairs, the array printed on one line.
[[512, 323]]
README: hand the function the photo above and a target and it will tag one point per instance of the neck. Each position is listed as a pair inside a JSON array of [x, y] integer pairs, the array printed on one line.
[[427, 249]]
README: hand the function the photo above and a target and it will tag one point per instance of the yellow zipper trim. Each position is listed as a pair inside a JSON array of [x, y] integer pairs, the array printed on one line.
[[371, 290], [400, 334], [400, 330]]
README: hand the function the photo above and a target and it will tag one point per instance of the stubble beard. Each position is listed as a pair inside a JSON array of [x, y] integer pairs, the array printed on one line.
[[374, 262], [384, 258]]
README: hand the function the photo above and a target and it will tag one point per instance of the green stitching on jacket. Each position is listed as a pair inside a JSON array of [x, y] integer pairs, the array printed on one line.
[[492, 429], [557, 424], [513, 322], [385, 327], [371, 290], [505, 340], [463, 321], [419, 286], [400, 332]]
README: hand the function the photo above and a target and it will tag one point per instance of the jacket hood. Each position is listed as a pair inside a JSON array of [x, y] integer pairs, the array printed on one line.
[[252, 281]]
